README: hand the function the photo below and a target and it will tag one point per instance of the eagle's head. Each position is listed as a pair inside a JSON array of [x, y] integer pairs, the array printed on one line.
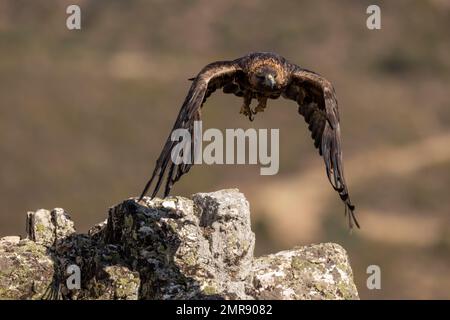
[[267, 74], [264, 78]]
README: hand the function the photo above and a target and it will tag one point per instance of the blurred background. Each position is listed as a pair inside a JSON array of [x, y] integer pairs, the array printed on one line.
[[84, 114]]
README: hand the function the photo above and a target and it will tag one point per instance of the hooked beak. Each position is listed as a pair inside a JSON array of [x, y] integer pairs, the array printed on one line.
[[270, 81]]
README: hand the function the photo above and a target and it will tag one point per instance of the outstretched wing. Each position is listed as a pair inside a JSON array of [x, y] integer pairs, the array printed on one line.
[[210, 78], [318, 105]]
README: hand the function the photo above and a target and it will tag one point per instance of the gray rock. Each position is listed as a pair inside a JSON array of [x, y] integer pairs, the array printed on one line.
[[319, 271], [45, 227], [26, 269], [173, 248]]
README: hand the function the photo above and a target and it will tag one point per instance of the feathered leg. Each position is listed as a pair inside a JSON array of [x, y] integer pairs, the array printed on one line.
[[245, 109], [262, 104]]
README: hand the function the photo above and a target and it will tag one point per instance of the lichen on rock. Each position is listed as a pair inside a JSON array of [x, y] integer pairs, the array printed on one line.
[[172, 248], [26, 269], [312, 272], [45, 227]]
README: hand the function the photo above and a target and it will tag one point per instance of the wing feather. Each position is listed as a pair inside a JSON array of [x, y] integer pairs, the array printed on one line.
[[318, 105], [210, 78]]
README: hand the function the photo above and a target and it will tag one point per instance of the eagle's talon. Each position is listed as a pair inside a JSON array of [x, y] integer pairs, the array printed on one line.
[[246, 111], [259, 108], [262, 103]]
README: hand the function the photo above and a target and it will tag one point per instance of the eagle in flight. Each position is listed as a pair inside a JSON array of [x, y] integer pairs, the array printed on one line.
[[263, 76]]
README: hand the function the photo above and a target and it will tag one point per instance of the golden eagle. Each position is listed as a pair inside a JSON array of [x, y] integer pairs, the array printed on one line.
[[263, 76]]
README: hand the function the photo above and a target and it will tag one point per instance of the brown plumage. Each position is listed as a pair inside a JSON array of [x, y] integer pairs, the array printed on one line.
[[264, 76]]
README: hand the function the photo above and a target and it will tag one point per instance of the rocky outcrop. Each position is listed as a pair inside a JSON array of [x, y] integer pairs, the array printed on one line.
[[173, 248]]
